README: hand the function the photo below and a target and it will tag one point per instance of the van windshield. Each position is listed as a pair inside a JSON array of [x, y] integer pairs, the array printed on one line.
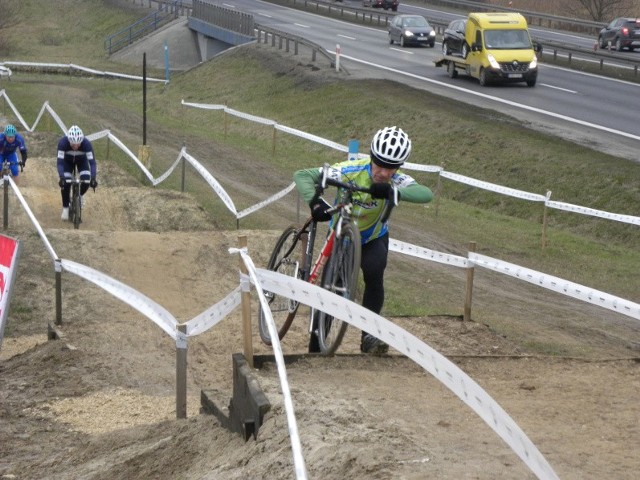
[[507, 39]]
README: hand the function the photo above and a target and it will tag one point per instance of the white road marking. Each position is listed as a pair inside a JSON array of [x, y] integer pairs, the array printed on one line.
[[558, 88]]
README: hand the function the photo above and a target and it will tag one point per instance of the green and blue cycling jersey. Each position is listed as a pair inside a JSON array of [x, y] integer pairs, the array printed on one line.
[[367, 211]]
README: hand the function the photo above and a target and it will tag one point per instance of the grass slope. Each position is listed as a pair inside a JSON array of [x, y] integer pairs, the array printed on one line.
[[466, 140]]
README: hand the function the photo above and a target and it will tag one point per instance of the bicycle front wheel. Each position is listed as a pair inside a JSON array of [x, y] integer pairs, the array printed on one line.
[[340, 276], [285, 259], [76, 209]]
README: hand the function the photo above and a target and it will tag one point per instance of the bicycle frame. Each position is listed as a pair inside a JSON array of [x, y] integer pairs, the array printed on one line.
[[322, 257]]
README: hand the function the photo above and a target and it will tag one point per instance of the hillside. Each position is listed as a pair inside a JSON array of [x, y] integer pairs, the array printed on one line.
[[99, 403]]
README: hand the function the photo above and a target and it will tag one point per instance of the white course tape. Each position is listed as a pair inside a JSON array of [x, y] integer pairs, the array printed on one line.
[[71, 66], [57, 119], [493, 187], [436, 364], [421, 168], [266, 202], [420, 252], [592, 212], [214, 314], [130, 154], [128, 295], [213, 183], [313, 138], [296, 447], [247, 116], [33, 219], [204, 106], [565, 287], [14, 109], [170, 170]]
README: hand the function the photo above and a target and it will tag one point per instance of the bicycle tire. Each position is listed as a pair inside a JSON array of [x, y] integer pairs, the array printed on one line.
[[76, 213], [340, 276], [283, 309]]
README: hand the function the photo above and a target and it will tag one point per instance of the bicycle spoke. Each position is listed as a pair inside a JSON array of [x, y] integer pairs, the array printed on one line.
[[284, 259]]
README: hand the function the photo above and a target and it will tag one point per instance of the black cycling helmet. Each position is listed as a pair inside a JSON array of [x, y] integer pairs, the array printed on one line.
[[390, 147]]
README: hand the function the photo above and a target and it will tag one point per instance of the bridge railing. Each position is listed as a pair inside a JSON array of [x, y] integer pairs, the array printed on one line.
[[167, 11], [233, 20]]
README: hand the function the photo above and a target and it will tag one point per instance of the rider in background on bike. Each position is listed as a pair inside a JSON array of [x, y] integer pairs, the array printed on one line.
[[390, 148], [10, 141], [75, 152]]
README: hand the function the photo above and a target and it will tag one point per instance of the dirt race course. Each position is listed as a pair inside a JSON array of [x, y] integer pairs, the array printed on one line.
[[100, 403]]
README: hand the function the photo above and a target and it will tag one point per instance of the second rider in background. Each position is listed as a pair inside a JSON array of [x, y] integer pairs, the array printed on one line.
[[390, 148], [75, 152], [10, 141]]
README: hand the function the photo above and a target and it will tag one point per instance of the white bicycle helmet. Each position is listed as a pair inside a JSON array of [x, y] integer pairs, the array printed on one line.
[[75, 135], [390, 147]]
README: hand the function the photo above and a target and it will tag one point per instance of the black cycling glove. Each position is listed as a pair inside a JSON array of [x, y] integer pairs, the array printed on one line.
[[319, 210], [93, 183], [381, 190], [61, 182]]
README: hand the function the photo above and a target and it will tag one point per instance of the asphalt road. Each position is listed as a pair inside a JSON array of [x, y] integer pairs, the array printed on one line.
[[589, 109]]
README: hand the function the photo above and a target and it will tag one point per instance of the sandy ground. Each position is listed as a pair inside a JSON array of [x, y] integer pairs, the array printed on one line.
[[100, 402]]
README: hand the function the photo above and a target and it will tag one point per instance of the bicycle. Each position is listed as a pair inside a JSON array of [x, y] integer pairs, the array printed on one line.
[[6, 168], [75, 199], [337, 266]]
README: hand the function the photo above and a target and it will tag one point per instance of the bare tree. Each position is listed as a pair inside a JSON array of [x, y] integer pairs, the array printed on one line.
[[605, 10]]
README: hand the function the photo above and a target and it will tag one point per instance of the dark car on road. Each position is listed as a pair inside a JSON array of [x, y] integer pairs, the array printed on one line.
[[384, 4], [622, 33], [453, 42], [411, 30]]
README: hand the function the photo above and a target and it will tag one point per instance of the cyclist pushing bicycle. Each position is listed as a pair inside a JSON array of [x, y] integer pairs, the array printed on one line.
[[75, 153], [378, 174]]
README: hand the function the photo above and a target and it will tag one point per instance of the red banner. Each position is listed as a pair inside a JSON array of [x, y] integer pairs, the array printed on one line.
[[9, 252]]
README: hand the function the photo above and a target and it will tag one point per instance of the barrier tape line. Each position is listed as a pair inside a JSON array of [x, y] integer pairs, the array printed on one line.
[[635, 220], [435, 363], [162, 317], [296, 447], [565, 287], [425, 253]]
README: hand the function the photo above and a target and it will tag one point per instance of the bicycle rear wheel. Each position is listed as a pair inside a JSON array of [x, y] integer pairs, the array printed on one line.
[[340, 276], [284, 259]]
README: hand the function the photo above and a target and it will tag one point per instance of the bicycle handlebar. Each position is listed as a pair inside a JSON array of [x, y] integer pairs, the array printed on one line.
[[326, 180]]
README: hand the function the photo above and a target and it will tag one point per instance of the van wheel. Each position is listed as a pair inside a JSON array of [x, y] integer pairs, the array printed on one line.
[[483, 78], [531, 83], [390, 40], [465, 50], [618, 45], [451, 70]]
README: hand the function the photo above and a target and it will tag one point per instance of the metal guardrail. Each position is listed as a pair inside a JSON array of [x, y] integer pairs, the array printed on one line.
[[284, 40], [372, 17], [533, 18], [167, 11]]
